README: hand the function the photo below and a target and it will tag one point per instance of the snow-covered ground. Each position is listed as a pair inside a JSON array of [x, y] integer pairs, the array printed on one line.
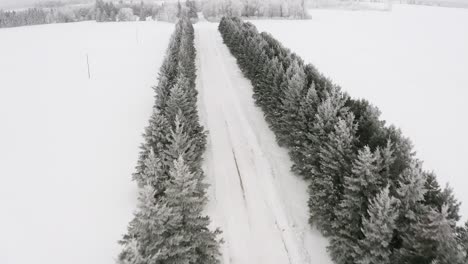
[[68, 144], [260, 206], [412, 63]]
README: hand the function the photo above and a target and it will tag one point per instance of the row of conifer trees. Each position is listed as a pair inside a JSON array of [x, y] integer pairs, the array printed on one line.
[[169, 225], [368, 193]]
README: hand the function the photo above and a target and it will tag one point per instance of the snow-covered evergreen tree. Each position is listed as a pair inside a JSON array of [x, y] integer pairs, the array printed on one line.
[[171, 229], [411, 214], [422, 223], [198, 243], [156, 139], [359, 188], [432, 196], [436, 197], [306, 123], [378, 230], [182, 102], [385, 163], [300, 150], [463, 239], [291, 102], [169, 226], [453, 205], [326, 117], [326, 188], [181, 145], [146, 235], [440, 230]]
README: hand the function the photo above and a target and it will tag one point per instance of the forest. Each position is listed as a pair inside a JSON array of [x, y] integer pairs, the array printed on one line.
[[101, 11], [293, 9]]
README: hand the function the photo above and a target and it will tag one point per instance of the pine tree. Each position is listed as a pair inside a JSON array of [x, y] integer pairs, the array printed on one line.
[[169, 226], [181, 101], [403, 154], [299, 151], [371, 132], [155, 173], [359, 189], [197, 243], [412, 212], [265, 87], [453, 205], [435, 197], [178, 100], [463, 239], [171, 229], [156, 140], [148, 232], [291, 103], [378, 230], [432, 197], [440, 230], [327, 115], [326, 188], [273, 115], [386, 160], [181, 145]]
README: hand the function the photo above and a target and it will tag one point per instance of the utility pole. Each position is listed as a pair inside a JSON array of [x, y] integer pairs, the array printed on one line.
[[87, 62], [137, 39]]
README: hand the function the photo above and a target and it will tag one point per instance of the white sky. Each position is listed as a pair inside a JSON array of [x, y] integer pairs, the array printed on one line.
[[21, 3]]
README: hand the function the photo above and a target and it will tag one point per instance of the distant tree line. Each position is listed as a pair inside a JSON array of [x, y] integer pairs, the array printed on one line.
[[108, 11], [102, 11], [37, 16], [368, 193], [169, 225], [255, 8]]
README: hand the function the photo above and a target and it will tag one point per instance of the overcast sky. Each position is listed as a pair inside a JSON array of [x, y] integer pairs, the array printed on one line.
[[12, 3], [21, 3]]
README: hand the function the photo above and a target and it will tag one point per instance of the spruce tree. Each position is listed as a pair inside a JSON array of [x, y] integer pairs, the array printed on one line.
[[194, 241], [359, 189], [440, 230], [386, 160], [172, 229], [148, 232], [378, 229], [326, 117], [178, 101], [463, 239], [291, 103], [453, 205], [264, 89], [435, 197], [299, 151], [169, 227], [326, 188], [156, 140], [411, 214], [182, 102], [155, 173], [181, 145]]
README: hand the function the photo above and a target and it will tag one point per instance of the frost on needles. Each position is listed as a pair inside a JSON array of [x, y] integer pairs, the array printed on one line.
[[368, 192], [169, 226]]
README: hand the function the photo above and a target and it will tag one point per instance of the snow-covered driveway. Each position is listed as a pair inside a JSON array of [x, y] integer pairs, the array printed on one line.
[[258, 203]]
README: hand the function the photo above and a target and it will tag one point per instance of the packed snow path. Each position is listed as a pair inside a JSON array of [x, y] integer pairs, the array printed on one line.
[[258, 203]]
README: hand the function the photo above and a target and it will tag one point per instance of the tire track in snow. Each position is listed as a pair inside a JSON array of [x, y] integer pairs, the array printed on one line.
[[260, 206], [237, 167], [284, 243]]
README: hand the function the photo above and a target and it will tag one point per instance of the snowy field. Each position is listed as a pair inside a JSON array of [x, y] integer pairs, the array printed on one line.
[[68, 143], [412, 63]]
